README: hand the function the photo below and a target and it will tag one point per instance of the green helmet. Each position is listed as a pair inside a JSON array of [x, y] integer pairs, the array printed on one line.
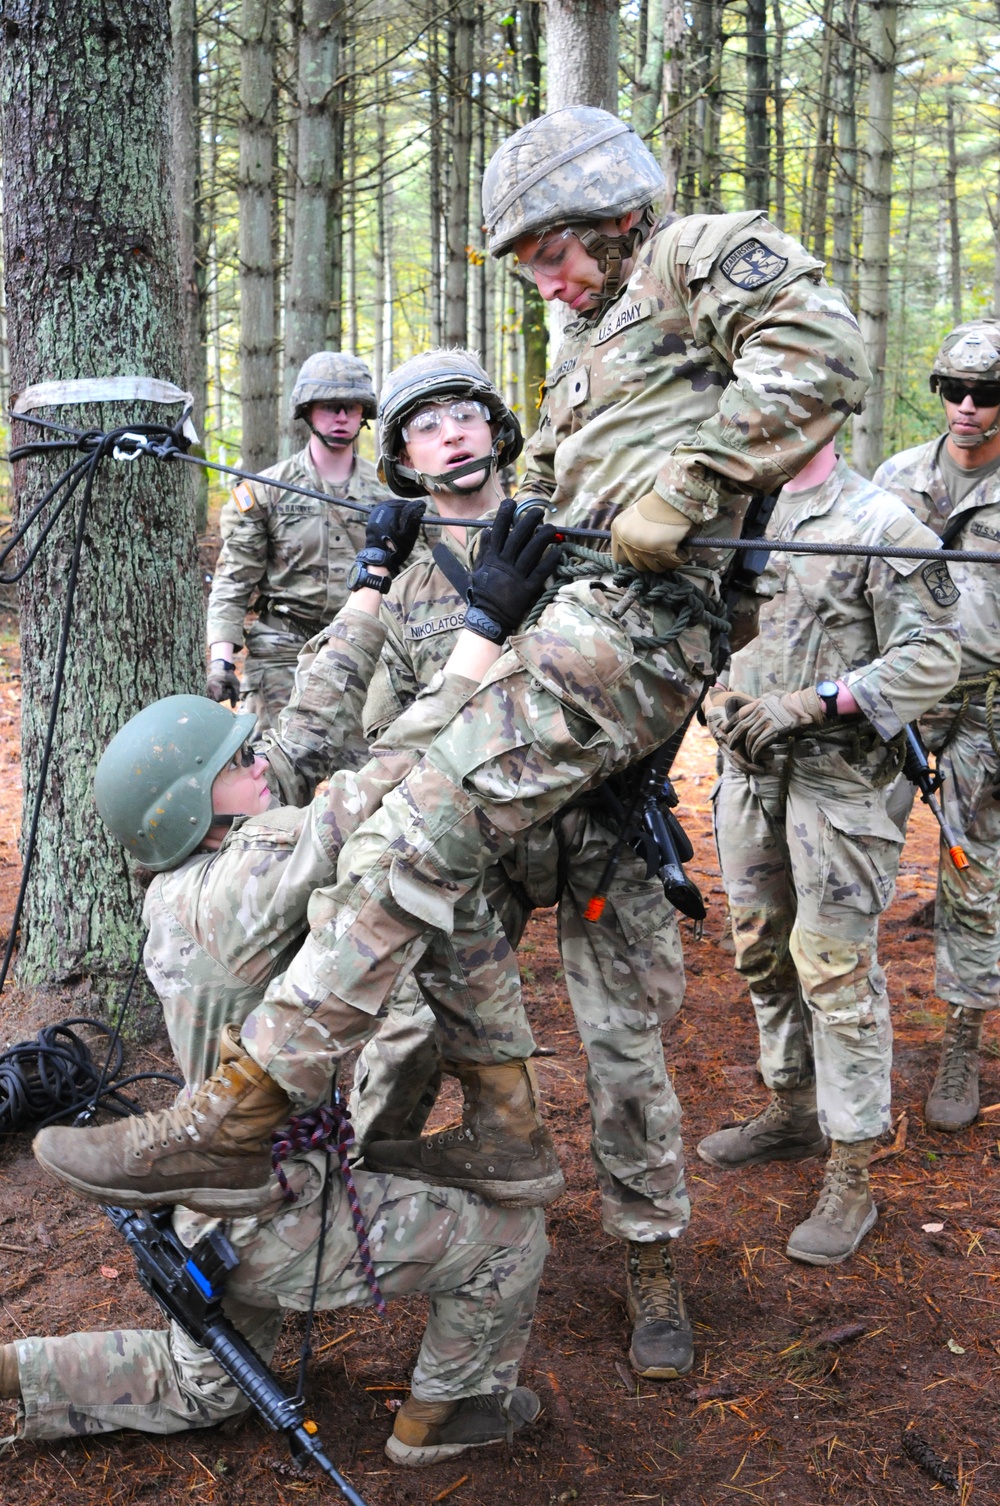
[[153, 786], [579, 164], [428, 378], [971, 352], [332, 376]]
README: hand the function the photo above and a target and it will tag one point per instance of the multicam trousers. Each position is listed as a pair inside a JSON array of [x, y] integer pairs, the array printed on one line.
[[808, 871], [480, 1265], [625, 980], [572, 701]]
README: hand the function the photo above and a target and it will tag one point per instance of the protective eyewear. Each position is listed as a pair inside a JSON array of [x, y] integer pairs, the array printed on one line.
[[243, 758], [548, 259], [983, 394], [427, 421]]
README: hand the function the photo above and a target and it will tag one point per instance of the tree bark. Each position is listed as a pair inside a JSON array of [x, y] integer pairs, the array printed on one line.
[[951, 200], [778, 93], [756, 189], [847, 152], [307, 303], [461, 38], [582, 53], [437, 158], [534, 325], [258, 384], [873, 281], [190, 222], [824, 137], [674, 118], [92, 284], [649, 86]]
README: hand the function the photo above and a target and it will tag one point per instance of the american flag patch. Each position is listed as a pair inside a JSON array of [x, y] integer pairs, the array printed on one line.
[[243, 497]]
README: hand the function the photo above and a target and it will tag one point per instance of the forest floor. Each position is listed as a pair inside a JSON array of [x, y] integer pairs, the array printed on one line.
[[806, 1381]]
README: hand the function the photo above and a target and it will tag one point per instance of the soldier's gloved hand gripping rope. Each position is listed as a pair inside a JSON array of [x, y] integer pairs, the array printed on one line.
[[514, 560]]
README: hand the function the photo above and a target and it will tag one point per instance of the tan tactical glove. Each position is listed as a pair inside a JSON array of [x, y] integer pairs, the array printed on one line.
[[721, 705], [760, 723], [648, 535]]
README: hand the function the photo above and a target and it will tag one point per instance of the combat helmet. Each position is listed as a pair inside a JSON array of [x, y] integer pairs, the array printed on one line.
[[970, 353], [330, 376], [428, 378], [574, 166], [153, 786]]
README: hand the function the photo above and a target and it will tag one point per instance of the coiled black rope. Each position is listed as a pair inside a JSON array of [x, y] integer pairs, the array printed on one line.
[[55, 1077]]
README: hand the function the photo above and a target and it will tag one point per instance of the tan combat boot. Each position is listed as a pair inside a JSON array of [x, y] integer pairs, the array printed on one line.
[[845, 1211], [211, 1152], [426, 1432], [10, 1375], [953, 1101], [786, 1130], [662, 1346], [502, 1150]]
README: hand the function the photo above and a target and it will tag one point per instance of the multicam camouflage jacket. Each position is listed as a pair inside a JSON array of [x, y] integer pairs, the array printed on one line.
[[296, 549], [887, 628], [725, 363], [917, 477]]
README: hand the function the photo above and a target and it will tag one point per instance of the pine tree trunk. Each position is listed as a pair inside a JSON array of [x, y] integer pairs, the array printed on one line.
[[307, 303], [190, 222], [951, 198], [674, 119], [534, 326], [847, 151], [461, 36], [824, 137], [649, 86], [582, 53], [756, 192], [258, 375], [778, 94], [873, 281], [436, 167], [92, 286]]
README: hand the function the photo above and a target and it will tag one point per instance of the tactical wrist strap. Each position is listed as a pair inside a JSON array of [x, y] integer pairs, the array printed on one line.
[[481, 623], [224, 662]]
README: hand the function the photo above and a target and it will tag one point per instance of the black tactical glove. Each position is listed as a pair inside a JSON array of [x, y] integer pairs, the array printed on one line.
[[514, 560], [391, 532], [223, 682]]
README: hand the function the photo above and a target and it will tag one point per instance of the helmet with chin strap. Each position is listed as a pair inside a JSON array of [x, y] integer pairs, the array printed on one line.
[[332, 376], [433, 377], [970, 353], [153, 784], [573, 167]]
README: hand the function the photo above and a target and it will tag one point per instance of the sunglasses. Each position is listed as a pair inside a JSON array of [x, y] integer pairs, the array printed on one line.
[[243, 758], [983, 394], [428, 420]]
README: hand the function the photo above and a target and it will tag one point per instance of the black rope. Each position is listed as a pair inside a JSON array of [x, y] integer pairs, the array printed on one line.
[[55, 1077]]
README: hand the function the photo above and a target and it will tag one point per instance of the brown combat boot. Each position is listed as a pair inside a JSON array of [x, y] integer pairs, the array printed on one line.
[[426, 1432], [845, 1211], [662, 1346], [212, 1152], [953, 1101], [502, 1150], [786, 1130]]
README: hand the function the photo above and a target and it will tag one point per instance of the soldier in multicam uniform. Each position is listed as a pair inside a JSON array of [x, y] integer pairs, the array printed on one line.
[[953, 485], [294, 550], [709, 360], [209, 964], [625, 976], [851, 649]]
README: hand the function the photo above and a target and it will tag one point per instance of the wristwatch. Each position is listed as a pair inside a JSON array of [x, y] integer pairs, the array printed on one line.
[[359, 576], [828, 690]]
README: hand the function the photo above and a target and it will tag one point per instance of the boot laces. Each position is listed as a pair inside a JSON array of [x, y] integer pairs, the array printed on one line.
[[659, 1293], [180, 1123], [958, 1060], [840, 1179]]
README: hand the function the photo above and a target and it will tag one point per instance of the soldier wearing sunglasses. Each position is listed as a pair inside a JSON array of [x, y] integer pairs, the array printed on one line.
[[953, 484]]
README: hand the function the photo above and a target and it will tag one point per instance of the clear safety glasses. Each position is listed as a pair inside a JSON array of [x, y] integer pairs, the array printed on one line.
[[243, 758], [427, 421], [548, 259]]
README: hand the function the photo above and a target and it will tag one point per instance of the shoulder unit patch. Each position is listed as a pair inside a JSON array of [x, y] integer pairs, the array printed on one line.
[[937, 579], [753, 264]]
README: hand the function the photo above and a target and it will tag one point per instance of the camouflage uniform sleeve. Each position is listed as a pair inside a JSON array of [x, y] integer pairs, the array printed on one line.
[[798, 365], [539, 456], [242, 562], [331, 684], [915, 606], [395, 683]]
